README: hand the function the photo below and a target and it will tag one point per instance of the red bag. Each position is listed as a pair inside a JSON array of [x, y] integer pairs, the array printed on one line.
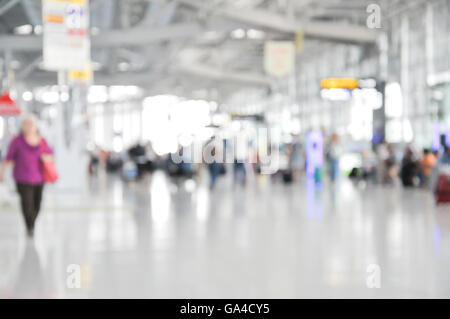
[[442, 193], [48, 168]]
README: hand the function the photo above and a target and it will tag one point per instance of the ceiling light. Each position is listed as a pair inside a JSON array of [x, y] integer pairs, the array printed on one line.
[[50, 97], [23, 29], [124, 66], [336, 94], [37, 29], [27, 96], [64, 97], [238, 34], [255, 34]]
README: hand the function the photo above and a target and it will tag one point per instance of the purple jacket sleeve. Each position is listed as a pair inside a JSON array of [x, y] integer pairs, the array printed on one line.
[[46, 149], [12, 151]]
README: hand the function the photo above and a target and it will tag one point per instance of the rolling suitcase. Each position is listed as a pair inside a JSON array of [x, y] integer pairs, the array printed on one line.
[[442, 192], [288, 177]]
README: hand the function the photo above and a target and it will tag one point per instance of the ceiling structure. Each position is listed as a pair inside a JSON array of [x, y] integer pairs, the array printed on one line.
[[186, 46]]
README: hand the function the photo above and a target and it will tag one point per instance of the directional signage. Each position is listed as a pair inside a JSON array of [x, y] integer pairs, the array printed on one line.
[[279, 58], [81, 76], [66, 43], [340, 83]]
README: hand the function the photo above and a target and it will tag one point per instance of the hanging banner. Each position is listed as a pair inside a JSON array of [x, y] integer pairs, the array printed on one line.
[[66, 42], [8, 106], [279, 58]]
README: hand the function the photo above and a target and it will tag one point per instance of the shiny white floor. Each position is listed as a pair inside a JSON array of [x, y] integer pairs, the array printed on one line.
[[157, 239]]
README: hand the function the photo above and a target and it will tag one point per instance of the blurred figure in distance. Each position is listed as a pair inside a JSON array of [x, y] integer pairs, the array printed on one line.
[[333, 153], [409, 169], [427, 163]]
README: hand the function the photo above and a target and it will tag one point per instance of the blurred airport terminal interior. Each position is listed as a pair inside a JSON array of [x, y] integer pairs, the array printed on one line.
[[224, 149]]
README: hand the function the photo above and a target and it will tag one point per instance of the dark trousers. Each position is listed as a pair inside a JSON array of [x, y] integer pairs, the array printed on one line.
[[30, 200], [214, 171]]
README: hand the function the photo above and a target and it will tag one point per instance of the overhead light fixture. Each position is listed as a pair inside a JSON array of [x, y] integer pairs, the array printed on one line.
[[124, 66], [23, 29], [49, 97], [238, 34], [27, 96], [38, 29], [255, 34], [64, 97], [336, 94]]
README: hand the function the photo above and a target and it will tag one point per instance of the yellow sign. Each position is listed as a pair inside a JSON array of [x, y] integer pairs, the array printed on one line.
[[299, 40], [340, 83], [80, 75]]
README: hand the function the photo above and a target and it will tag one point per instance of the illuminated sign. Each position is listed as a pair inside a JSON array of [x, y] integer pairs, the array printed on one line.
[[340, 83], [81, 76], [336, 94]]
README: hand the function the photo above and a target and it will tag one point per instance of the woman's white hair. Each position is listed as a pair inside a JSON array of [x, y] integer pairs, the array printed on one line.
[[30, 118]]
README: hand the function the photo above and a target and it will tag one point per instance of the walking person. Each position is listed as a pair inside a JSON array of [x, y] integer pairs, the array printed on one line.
[[240, 159], [213, 152], [26, 153], [333, 153]]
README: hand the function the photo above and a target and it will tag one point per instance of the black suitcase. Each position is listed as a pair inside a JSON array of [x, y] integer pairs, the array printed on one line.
[[287, 177]]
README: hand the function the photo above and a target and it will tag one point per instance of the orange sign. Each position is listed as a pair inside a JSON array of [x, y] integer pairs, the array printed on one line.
[[54, 18], [340, 83]]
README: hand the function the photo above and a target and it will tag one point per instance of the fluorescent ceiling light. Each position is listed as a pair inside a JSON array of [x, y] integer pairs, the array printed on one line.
[[38, 29], [24, 29], [255, 34], [27, 96], [238, 34]]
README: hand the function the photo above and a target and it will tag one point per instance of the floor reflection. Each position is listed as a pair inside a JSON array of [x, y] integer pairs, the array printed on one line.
[[161, 238], [29, 280]]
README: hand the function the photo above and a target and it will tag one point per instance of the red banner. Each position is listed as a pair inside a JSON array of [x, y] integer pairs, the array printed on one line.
[[8, 106]]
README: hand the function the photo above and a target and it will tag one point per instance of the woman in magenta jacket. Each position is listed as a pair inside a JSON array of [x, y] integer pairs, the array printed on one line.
[[26, 152]]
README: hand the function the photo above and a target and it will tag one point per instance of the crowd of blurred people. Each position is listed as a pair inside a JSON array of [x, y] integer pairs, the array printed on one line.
[[385, 163], [414, 167]]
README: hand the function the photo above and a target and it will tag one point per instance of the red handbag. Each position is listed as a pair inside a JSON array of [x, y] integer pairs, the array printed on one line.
[[48, 169]]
